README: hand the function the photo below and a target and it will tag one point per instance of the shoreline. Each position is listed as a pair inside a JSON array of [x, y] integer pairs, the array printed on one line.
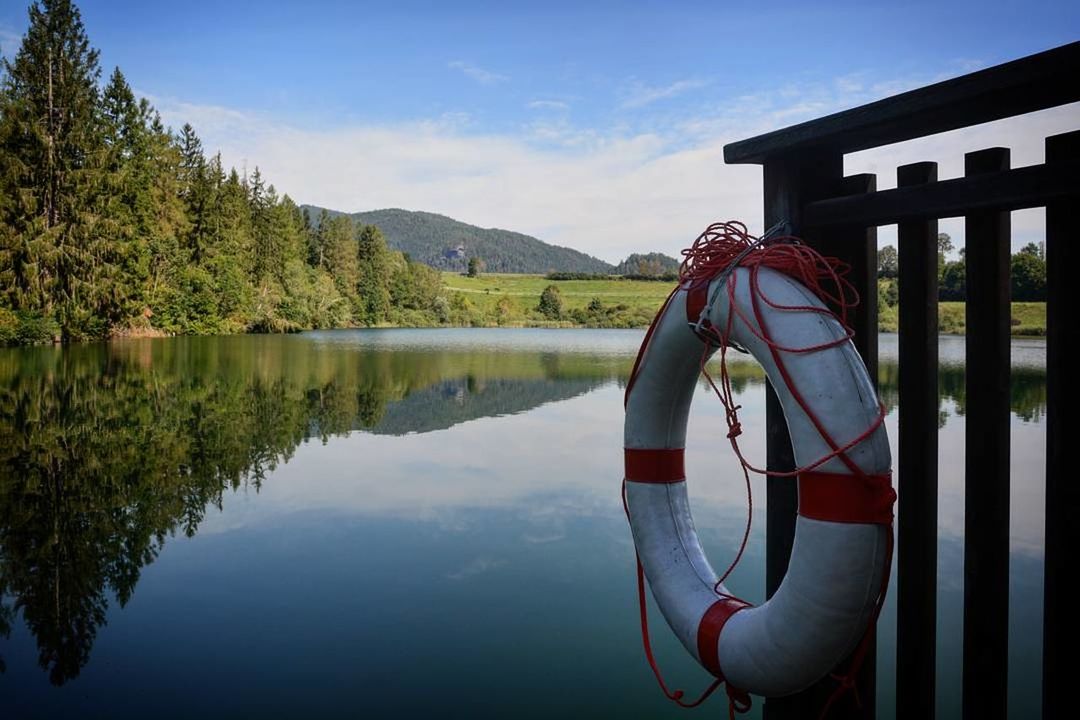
[[155, 334]]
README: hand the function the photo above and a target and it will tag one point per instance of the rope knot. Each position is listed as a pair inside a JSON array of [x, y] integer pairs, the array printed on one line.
[[735, 430]]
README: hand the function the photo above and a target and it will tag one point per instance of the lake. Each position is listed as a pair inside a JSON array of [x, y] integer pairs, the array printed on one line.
[[395, 522]]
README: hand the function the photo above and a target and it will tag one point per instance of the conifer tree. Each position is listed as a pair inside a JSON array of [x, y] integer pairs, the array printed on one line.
[[127, 202], [341, 254], [373, 287], [51, 164]]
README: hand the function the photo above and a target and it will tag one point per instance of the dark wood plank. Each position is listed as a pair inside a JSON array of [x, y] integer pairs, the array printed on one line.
[[917, 516], [813, 176], [986, 470], [1010, 190], [1032, 83], [789, 184], [1061, 622], [857, 246]]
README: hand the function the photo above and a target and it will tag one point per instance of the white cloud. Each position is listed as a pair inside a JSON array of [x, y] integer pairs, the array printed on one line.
[[1024, 136], [605, 195], [639, 95], [477, 73], [605, 192]]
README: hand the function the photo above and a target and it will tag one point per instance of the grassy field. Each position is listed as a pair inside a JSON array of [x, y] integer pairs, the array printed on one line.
[[638, 300]]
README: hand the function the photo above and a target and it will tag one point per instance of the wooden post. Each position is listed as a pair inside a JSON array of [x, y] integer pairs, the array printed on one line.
[[789, 182], [856, 245], [1061, 624], [916, 563], [986, 490], [788, 186]]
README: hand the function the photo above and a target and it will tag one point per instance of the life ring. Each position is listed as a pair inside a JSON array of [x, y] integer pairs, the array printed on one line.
[[843, 540]]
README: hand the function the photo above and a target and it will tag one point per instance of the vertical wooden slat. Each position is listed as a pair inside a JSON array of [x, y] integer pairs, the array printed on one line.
[[857, 246], [789, 182], [986, 501], [1061, 622], [916, 613], [787, 186]]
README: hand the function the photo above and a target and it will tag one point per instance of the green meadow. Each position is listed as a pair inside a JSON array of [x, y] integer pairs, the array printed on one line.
[[513, 300]]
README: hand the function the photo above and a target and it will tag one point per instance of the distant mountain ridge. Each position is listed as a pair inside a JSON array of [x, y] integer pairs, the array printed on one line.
[[447, 244]]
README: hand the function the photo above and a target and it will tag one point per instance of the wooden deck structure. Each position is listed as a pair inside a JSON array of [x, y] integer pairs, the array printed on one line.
[[805, 185]]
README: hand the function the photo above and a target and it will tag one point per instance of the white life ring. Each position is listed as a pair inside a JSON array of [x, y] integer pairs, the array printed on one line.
[[843, 532]]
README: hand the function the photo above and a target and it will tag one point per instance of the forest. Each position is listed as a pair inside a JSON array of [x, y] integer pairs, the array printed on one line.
[[112, 224]]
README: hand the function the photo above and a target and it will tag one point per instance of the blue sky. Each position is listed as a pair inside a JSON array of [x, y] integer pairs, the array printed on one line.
[[598, 127]]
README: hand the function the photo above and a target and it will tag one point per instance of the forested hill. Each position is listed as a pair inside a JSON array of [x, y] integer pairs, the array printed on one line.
[[447, 244]]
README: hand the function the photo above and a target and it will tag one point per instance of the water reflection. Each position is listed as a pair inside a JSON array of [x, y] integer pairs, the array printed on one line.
[[108, 450]]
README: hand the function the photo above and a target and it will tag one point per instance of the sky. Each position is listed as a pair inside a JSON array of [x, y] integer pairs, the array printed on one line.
[[598, 126]]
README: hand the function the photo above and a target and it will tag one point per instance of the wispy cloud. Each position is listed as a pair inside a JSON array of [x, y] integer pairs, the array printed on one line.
[[639, 94], [548, 105], [605, 191], [477, 73]]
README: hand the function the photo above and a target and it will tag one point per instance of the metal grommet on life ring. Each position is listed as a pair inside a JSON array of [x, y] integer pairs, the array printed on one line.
[[843, 540]]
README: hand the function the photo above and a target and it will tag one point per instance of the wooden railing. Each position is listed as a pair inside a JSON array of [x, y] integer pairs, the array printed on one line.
[[804, 185]]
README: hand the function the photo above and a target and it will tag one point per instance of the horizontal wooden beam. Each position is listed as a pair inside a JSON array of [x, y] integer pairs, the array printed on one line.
[[1026, 85], [1025, 187]]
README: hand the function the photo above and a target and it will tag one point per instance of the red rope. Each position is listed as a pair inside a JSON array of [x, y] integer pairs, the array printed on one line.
[[712, 253], [675, 696], [645, 344]]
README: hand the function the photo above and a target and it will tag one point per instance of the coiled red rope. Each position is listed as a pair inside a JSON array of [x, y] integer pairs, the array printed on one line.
[[713, 253]]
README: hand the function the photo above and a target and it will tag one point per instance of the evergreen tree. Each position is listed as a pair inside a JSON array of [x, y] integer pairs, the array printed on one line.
[[197, 191], [373, 287], [340, 254], [51, 166], [127, 203]]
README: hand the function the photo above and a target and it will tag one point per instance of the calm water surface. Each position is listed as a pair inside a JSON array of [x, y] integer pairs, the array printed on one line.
[[406, 522]]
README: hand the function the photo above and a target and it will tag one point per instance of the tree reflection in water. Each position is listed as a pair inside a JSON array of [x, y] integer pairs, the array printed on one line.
[[107, 450]]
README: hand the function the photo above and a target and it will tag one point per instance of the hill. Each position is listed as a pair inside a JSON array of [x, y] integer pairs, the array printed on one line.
[[447, 244]]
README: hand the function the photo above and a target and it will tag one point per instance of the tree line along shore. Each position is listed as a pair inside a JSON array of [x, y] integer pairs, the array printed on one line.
[[114, 225]]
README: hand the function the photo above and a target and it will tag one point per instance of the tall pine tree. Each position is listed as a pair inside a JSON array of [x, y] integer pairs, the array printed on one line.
[[373, 287], [51, 167]]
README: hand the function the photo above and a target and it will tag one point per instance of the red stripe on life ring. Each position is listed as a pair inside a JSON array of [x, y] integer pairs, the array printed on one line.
[[696, 297], [660, 466], [708, 634], [836, 497]]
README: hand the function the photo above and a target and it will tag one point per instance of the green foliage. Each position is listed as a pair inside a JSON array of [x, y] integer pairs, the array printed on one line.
[[648, 265], [111, 224], [953, 283], [551, 304], [945, 246], [26, 327], [887, 262], [1028, 274], [888, 293], [474, 267], [373, 284]]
